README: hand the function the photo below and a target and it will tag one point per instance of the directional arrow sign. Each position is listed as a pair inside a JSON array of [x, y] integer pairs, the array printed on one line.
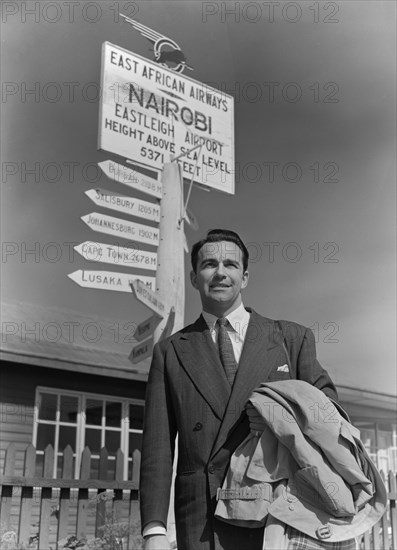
[[127, 205], [122, 228], [146, 328], [118, 255], [167, 331], [133, 179], [109, 280], [141, 351], [148, 297]]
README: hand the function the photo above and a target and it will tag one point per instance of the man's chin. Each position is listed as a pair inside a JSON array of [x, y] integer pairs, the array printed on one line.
[[219, 296]]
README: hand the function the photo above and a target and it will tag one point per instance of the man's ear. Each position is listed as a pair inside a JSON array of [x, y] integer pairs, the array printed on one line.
[[193, 279], [245, 279]]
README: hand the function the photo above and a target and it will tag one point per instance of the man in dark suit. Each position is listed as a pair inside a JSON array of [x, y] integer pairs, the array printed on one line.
[[199, 383]]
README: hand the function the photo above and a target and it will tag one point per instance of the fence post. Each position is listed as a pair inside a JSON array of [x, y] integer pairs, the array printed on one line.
[[64, 497], [6, 490], [45, 504], [101, 503], [27, 496], [82, 505], [392, 504]]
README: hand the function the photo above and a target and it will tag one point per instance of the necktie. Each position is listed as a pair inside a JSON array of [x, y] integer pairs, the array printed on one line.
[[226, 352]]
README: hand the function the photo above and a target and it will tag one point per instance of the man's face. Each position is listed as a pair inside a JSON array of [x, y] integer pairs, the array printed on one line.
[[219, 277]]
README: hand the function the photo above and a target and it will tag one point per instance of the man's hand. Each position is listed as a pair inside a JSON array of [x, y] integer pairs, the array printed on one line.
[[256, 422], [156, 542]]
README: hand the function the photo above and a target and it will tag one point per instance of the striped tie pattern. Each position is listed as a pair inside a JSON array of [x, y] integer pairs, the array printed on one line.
[[226, 352]]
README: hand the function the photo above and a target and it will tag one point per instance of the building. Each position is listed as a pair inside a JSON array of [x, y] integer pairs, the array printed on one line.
[[66, 379]]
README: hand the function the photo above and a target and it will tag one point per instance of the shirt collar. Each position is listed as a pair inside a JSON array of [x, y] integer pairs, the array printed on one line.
[[238, 318]]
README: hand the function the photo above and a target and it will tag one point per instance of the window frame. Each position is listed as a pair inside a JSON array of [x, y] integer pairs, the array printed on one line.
[[81, 425]]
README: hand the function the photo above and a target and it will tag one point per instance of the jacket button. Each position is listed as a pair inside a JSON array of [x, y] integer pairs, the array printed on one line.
[[211, 469], [198, 427], [292, 507]]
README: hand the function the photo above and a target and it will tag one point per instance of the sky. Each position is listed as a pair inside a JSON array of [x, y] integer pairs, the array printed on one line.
[[314, 88]]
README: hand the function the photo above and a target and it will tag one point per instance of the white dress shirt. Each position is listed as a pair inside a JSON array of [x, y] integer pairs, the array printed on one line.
[[237, 328]]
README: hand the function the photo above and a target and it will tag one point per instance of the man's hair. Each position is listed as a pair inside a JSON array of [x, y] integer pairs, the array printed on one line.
[[215, 236]]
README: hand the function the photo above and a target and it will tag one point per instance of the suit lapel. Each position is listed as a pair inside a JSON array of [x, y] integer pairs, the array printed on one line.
[[198, 356], [261, 350]]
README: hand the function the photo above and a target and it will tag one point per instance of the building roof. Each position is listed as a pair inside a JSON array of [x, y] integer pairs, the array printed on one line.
[[65, 339], [68, 340], [368, 404]]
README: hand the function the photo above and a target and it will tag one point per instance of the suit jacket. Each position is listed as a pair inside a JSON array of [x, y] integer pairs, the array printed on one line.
[[188, 393]]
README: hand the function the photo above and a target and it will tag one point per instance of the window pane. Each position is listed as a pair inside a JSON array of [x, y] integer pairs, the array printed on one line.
[[93, 440], [135, 442], [93, 412], [45, 436], [113, 414], [112, 441], [48, 406], [69, 407], [67, 436], [136, 417]]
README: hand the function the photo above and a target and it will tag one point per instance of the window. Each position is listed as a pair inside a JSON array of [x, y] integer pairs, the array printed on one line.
[[65, 417], [380, 442]]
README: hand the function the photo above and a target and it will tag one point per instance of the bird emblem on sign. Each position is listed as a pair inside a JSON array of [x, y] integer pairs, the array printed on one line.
[[163, 55]]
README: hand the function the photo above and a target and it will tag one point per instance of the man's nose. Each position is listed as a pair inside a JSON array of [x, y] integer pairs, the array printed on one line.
[[221, 271]]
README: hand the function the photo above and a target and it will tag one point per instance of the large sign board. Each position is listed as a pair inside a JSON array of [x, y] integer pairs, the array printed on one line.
[[150, 114]]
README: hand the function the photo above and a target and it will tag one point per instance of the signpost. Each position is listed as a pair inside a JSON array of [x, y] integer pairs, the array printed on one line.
[[148, 297], [146, 328], [118, 255], [122, 228], [157, 118], [124, 204], [109, 280], [141, 351], [150, 114], [131, 178], [177, 127]]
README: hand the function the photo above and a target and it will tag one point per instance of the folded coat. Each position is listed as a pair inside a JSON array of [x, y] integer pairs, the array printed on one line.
[[307, 469]]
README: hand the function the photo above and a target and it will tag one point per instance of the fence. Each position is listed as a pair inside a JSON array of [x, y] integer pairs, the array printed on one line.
[[383, 536], [39, 512], [84, 504]]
